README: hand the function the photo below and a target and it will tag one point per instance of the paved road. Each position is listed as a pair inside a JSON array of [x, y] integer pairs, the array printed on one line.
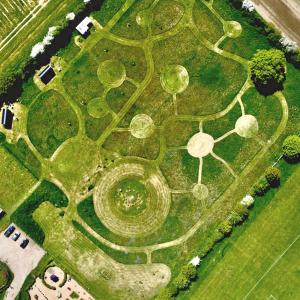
[[285, 14]]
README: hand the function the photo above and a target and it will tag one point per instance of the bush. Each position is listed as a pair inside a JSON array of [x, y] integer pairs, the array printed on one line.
[[268, 70], [164, 294], [187, 274], [272, 176], [225, 227], [291, 149], [242, 211], [260, 188]]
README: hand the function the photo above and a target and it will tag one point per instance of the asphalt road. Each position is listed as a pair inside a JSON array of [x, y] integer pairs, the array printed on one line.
[[284, 14]]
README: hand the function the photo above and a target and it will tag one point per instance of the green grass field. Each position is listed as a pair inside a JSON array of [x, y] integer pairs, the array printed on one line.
[[16, 182], [118, 132], [260, 260]]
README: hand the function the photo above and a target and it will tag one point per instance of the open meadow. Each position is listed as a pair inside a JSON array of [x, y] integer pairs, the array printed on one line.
[[149, 135]]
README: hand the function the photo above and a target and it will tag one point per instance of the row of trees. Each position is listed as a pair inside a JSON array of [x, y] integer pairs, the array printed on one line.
[[271, 179]]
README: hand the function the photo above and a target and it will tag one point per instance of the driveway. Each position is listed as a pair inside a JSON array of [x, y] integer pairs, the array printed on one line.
[[20, 261], [284, 14]]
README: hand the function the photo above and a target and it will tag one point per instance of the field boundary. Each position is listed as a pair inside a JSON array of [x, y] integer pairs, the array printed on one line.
[[271, 267]]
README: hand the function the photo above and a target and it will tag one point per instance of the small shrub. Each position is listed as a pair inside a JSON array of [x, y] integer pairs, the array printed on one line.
[[164, 294], [260, 188], [291, 149], [242, 211], [225, 227], [273, 176]]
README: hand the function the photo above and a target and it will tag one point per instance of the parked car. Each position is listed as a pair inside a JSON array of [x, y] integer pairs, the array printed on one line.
[[16, 236], [9, 230], [24, 243]]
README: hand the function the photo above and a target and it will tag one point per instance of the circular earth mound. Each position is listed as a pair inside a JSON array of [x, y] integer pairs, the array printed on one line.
[[246, 126], [174, 79], [144, 17], [200, 191], [142, 126], [132, 200], [97, 108], [111, 73], [200, 145], [233, 29]]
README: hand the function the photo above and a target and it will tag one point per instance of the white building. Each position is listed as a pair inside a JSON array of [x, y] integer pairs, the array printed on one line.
[[84, 26]]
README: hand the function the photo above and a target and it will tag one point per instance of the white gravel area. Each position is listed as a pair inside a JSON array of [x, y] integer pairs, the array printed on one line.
[[20, 261]]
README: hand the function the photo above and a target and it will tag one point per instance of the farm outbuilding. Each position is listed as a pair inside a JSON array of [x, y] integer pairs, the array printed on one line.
[[47, 75], [7, 118], [84, 26]]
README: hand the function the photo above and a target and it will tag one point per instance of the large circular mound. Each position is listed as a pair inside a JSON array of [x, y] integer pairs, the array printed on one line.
[[111, 73], [142, 126], [97, 108], [200, 145], [233, 29], [132, 200], [174, 79], [246, 126]]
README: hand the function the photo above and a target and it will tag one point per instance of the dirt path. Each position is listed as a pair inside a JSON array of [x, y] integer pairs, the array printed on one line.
[[285, 14]]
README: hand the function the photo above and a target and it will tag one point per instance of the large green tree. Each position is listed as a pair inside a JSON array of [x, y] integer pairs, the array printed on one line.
[[268, 69], [291, 148]]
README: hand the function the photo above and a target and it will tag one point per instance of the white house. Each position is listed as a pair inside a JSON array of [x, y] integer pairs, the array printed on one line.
[[84, 26]]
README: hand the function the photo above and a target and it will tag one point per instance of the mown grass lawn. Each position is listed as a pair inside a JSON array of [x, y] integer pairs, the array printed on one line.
[[261, 258], [15, 182]]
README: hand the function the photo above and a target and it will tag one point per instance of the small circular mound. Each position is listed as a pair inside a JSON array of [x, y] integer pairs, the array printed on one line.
[[97, 108], [174, 79], [246, 126], [142, 126], [144, 18], [233, 29], [111, 73], [200, 191], [132, 199], [200, 145]]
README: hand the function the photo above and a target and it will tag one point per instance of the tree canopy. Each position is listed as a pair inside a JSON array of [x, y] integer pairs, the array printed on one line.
[[268, 69], [291, 148]]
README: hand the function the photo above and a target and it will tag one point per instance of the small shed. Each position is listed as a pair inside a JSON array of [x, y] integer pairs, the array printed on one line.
[[47, 75], [7, 118], [84, 26]]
